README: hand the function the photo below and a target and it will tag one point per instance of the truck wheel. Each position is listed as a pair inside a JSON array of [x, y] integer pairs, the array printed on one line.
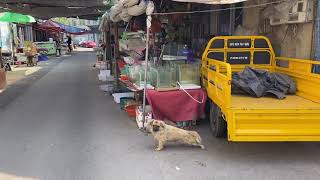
[[217, 123]]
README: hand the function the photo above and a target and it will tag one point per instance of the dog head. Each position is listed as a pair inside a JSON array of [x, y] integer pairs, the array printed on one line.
[[154, 126]]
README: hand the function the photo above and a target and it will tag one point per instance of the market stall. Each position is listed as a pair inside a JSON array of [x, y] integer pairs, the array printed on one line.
[[159, 58], [6, 48]]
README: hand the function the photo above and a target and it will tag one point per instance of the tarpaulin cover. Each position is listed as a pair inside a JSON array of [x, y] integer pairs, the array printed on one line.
[[49, 26], [176, 105], [212, 1], [53, 26], [259, 83], [71, 29]]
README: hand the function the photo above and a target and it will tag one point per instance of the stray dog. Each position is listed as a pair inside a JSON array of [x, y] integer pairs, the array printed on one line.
[[164, 133]]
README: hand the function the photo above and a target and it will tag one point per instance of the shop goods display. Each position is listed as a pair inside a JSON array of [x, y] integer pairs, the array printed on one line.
[[166, 77], [188, 74], [136, 76]]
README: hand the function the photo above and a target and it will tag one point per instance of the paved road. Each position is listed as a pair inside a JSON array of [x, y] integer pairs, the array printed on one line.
[[60, 126]]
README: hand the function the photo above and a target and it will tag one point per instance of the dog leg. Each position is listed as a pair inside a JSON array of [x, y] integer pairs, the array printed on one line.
[[198, 144], [160, 146], [202, 146], [198, 141]]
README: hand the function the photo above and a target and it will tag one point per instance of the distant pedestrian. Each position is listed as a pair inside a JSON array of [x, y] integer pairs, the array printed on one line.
[[69, 42], [58, 48]]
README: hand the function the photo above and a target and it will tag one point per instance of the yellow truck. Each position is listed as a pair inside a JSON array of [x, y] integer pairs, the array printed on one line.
[[245, 118]]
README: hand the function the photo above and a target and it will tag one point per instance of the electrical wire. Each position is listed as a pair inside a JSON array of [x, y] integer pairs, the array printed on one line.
[[200, 102]]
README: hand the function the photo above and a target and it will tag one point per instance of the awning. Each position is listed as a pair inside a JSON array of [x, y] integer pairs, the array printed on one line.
[[16, 18], [53, 26], [211, 1], [72, 29], [49, 26]]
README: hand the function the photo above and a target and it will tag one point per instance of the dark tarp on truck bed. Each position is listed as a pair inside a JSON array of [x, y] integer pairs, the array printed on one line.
[[259, 83]]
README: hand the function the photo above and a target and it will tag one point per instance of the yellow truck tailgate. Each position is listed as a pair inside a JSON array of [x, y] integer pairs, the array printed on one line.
[[270, 119]]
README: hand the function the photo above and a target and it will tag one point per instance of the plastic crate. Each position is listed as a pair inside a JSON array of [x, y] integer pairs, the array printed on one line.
[[117, 96]]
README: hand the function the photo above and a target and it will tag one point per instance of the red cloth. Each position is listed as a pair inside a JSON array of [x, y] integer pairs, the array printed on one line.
[[177, 105]]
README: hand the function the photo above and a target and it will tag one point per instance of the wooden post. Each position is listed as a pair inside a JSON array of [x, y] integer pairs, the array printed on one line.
[[108, 47], [116, 39], [232, 19], [116, 53], [104, 33]]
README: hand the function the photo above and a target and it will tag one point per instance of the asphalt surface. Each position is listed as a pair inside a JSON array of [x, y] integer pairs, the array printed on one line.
[[58, 125]]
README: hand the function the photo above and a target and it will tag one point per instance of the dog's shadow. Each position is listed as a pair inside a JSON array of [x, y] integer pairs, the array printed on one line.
[[176, 146]]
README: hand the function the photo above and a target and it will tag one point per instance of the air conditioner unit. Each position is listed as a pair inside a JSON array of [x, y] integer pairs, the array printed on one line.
[[301, 12]]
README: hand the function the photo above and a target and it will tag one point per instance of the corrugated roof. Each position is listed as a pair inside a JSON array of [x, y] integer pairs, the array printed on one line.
[[47, 9], [211, 1]]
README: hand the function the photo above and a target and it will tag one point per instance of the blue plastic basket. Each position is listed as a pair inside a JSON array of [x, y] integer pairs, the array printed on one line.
[[43, 58]]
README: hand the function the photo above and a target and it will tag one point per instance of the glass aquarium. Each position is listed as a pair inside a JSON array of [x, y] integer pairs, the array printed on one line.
[[166, 77], [136, 76], [188, 74]]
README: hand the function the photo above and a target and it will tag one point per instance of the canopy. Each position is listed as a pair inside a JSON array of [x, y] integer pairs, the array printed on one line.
[[49, 26], [211, 1], [53, 26], [72, 29], [16, 18]]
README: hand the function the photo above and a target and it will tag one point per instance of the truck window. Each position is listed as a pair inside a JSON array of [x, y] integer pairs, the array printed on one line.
[[261, 57], [260, 43], [216, 56], [216, 44]]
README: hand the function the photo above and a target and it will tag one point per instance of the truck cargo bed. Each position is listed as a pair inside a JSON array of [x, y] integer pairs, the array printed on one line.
[[290, 102], [269, 119]]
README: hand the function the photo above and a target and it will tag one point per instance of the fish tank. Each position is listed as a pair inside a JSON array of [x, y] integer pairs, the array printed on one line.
[[188, 74], [166, 77], [136, 76]]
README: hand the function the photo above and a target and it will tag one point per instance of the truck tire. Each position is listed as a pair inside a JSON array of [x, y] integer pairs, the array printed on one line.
[[217, 124]]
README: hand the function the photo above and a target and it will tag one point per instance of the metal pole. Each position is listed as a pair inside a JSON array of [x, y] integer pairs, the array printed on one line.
[[149, 18]]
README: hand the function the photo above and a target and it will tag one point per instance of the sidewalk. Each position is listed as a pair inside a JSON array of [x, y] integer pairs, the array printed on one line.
[[23, 77], [21, 72]]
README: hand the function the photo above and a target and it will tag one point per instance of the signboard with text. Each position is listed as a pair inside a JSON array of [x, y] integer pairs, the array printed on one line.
[[239, 43]]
